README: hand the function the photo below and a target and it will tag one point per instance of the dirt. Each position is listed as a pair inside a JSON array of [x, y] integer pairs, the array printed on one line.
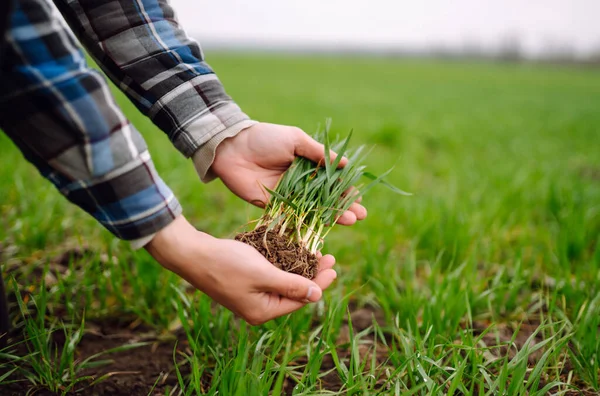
[[150, 369], [368, 351], [132, 372], [501, 341], [147, 369], [285, 255]]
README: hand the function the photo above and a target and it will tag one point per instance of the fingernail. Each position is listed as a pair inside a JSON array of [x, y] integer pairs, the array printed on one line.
[[314, 293]]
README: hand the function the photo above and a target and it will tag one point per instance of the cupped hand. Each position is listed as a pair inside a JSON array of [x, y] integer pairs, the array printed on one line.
[[259, 155], [236, 275]]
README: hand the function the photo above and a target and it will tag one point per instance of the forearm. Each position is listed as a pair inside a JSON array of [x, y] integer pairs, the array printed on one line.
[[62, 116], [142, 48], [126, 195]]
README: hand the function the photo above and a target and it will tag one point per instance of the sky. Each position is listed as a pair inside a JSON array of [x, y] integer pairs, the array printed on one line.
[[372, 24]]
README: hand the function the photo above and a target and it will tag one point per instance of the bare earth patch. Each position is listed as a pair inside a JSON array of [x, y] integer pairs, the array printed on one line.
[[134, 372], [151, 368]]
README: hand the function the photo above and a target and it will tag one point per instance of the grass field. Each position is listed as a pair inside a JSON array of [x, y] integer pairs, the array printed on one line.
[[486, 281]]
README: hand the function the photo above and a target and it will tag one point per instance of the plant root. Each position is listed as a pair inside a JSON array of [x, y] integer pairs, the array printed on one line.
[[281, 252]]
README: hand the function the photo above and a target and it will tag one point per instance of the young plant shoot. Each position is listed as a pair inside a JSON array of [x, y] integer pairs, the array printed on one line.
[[306, 203]]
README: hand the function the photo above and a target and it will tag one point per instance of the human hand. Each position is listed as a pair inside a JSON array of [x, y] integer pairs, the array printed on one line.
[[236, 275], [259, 155]]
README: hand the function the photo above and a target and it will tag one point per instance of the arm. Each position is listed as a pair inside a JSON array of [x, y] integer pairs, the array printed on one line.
[[144, 51], [142, 48], [62, 117]]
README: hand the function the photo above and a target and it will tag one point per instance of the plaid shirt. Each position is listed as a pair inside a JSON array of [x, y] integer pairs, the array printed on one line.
[[61, 115]]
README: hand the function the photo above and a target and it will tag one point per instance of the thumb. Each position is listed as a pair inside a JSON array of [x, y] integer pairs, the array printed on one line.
[[294, 287], [307, 147]]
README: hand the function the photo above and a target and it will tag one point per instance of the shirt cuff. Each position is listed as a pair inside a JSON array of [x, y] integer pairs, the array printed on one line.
[[204, 157], [139, 243], [205, 125]]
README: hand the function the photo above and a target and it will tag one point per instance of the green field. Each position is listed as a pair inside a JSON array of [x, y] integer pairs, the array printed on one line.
[[485, 281]]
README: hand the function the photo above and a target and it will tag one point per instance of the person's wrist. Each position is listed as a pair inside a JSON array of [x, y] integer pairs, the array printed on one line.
[[177, 245], [225, 153], [205, 156]]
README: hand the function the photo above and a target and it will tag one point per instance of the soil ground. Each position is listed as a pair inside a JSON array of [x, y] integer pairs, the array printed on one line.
[[150, 369], [144, 370]]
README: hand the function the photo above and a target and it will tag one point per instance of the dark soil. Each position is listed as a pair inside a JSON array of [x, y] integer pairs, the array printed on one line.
[[361, 319], [148, 369], [282, 253]]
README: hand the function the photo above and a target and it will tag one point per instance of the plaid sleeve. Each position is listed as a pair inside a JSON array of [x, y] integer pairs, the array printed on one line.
[[61, 114], [142, 48]]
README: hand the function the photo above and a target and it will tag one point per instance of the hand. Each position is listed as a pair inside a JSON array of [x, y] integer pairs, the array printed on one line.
[[236, 275], [259, 155]]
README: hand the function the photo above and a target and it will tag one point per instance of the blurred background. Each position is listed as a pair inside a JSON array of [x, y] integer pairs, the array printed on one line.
[[538, 29]]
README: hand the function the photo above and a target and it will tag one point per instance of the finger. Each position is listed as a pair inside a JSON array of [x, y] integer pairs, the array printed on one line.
[[285, 306], [325, 278], [353, 191], [359, 210], [309, 148], [292, 286], [326, 262], [355, 212], [319, 255], [347, 218]]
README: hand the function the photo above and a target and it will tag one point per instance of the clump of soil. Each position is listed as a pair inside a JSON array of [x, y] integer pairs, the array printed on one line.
[[281, 252]]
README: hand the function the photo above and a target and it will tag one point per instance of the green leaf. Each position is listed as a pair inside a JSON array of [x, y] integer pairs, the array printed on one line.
[[281, 197], [7, 374], [342, 151], [327, 147], [395, 189]]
